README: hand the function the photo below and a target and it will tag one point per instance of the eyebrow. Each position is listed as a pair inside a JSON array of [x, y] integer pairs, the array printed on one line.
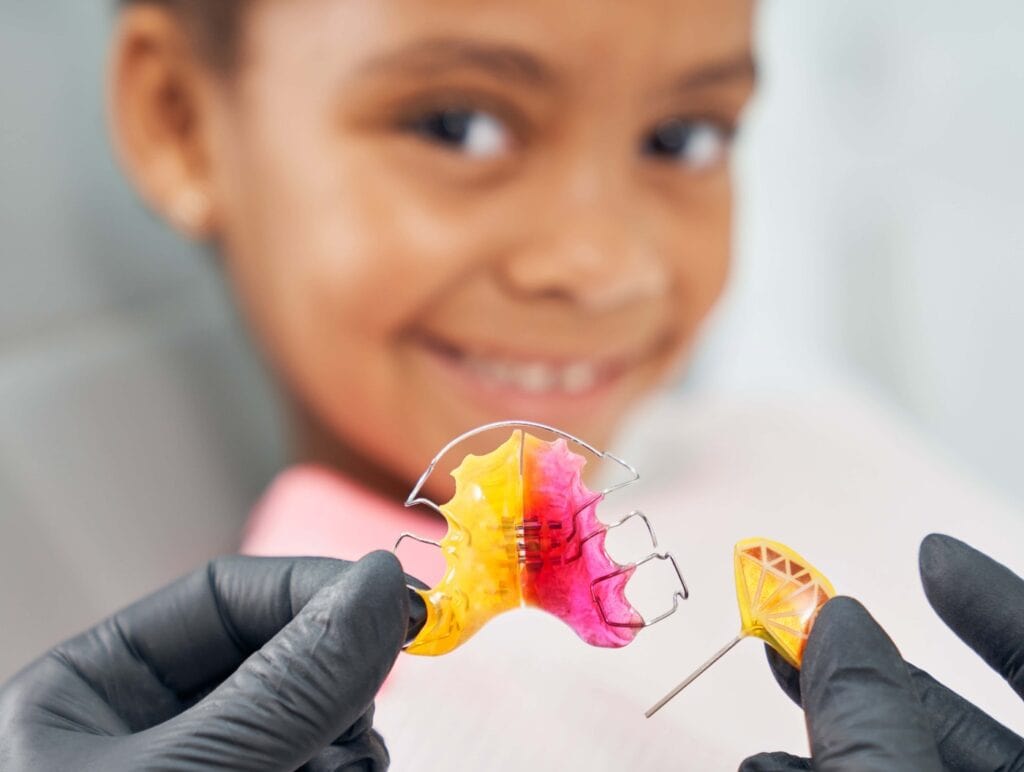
[[738, 67], [428, 57]]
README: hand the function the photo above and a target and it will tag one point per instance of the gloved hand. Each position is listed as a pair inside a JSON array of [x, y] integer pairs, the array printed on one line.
[[247, 664], [866, 709]]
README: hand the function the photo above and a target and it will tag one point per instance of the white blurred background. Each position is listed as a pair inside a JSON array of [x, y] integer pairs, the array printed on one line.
[[880, 235], [881, 231]]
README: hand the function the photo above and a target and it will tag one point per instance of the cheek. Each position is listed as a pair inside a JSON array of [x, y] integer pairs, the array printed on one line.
[[700, 249], [710, 279], [333, 262]]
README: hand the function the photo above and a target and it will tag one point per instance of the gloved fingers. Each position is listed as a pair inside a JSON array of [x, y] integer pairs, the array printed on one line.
[[363, 725], [367, 753], [195, 632], [417, 608], [981, 600], [862, 711], [786, 676], [157, 656], [969, 740], [775, 762], [304, 688]]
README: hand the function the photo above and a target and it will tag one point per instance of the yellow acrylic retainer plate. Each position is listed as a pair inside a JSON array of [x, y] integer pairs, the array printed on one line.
[[779, 595], [481, 578]]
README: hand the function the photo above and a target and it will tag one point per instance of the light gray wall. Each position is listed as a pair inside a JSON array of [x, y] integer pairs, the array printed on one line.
[[131, 409], [881, 234]]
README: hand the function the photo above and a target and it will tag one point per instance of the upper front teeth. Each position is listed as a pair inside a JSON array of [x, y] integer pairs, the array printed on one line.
[[579, 377], [535, 378], [538, 377]]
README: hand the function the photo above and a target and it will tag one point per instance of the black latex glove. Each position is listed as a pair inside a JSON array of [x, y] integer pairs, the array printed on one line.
[[867, 709], [247, 664]]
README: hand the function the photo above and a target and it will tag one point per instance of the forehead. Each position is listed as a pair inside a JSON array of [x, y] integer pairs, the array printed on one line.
[[573, 36]]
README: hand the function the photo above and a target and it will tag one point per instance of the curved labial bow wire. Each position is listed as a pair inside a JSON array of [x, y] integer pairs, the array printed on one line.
[[523, 531]]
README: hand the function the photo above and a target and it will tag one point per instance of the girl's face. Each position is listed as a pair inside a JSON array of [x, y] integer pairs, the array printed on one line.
[[442, 213]]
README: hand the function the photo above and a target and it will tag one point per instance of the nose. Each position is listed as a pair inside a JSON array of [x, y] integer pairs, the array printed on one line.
[[589, 246]]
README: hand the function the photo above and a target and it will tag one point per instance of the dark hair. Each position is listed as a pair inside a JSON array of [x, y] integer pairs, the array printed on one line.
[[212, 26]]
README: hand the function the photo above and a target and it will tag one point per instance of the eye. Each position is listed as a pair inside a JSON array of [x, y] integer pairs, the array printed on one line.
[[475, 133], [696, 144]]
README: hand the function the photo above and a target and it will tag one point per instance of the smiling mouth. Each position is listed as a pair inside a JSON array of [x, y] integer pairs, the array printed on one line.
[[535, 376]]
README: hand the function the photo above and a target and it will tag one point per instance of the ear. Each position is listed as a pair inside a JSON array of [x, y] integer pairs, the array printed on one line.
[[159, 103]]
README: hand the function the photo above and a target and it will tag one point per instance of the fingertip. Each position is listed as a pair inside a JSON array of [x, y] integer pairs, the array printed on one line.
[[842, 611], [936, 540], [786, 676], [844, 626], [944, 563], [417, 615], [386, 569], [379, 578], [936, 555], [774, 762], [392, 583]]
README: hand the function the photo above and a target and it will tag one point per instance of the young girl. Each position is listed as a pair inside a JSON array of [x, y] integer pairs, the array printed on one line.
[[437, 214]]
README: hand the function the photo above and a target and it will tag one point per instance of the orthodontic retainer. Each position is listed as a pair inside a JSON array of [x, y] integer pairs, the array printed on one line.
[[523, 531]]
